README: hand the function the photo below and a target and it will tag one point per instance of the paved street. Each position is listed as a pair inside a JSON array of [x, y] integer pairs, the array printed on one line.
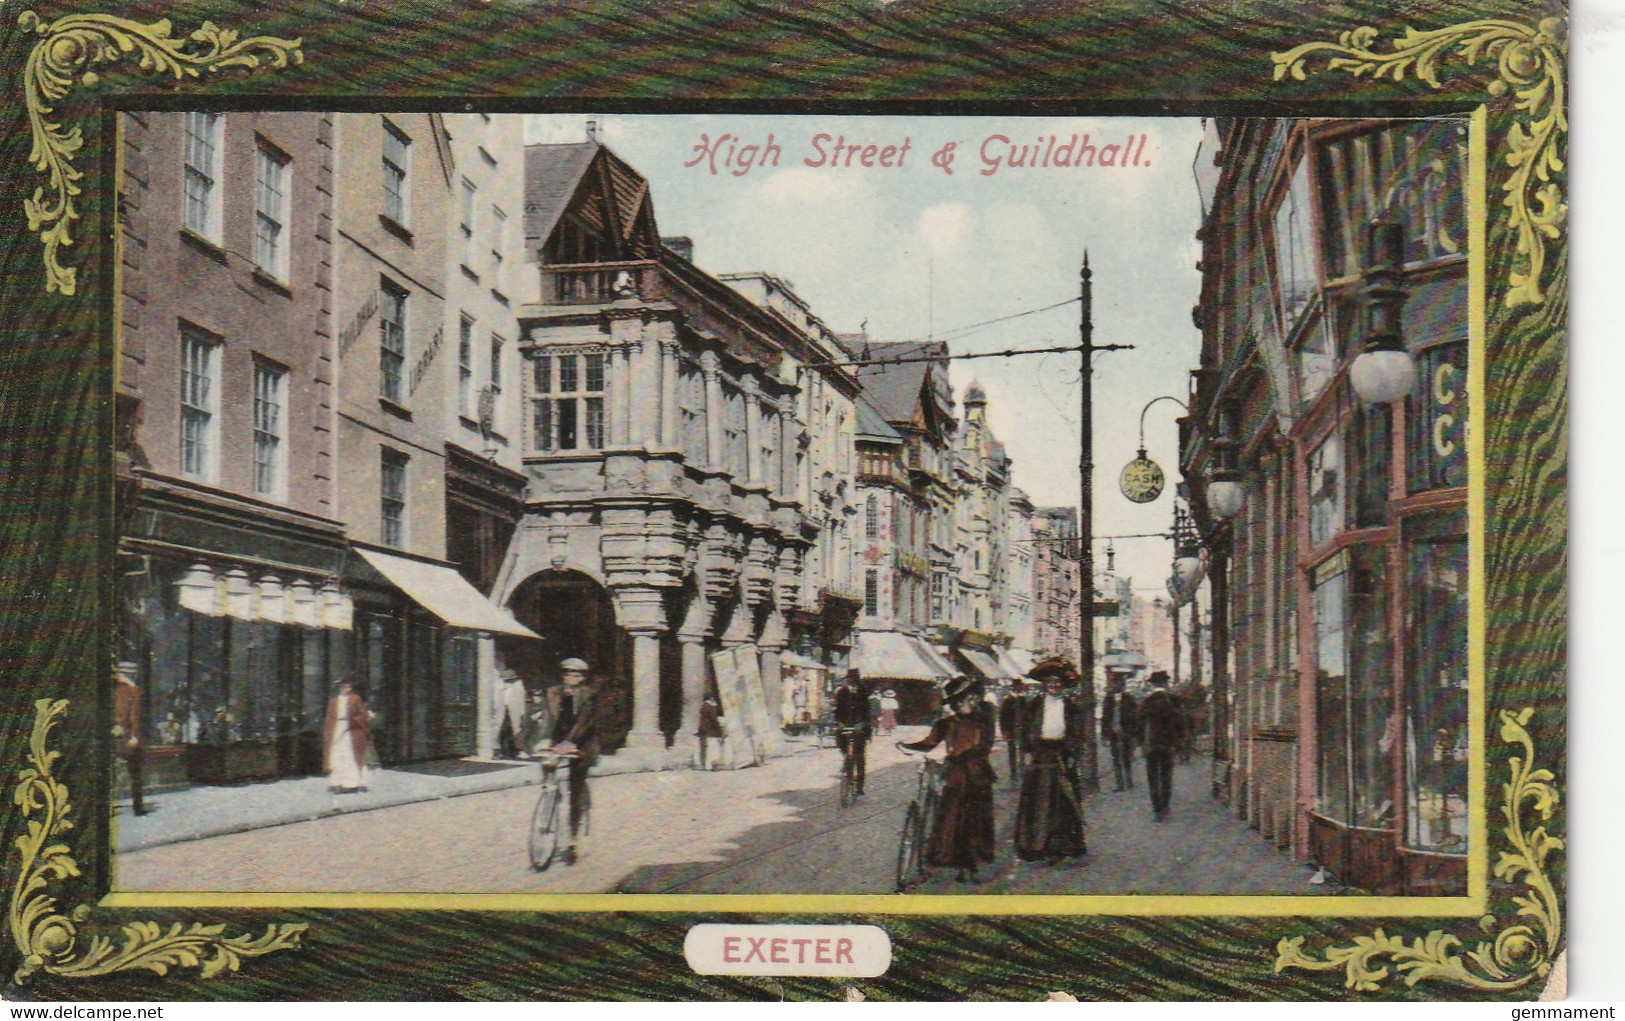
[[777, 828]]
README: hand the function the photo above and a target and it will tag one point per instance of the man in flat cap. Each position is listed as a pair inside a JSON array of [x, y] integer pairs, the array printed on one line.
[[572, 707]]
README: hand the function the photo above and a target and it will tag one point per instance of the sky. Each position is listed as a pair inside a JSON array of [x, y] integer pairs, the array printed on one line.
[[911, 252]]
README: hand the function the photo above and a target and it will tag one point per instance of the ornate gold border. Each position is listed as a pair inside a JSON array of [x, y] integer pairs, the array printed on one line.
[[1519, 954], [48, 940], [70, 43], [1530, 61]]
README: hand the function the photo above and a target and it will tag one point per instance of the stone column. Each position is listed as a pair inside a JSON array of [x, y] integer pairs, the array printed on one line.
[[621, 396], [696, 625], [787, 450], [753, 431], [670, 382], [645, 412], [714, 410], [642, 614], [775, 636]]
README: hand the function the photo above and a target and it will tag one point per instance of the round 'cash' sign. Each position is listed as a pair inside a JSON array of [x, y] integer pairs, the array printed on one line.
[[1142, 479]]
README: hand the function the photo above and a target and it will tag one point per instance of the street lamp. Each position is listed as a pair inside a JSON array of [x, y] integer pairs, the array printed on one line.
[[1224, 486], [1384, 370], [1187, 554]]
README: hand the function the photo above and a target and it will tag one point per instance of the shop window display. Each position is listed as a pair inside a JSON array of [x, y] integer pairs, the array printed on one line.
[[1355, 720], [1436, 735]]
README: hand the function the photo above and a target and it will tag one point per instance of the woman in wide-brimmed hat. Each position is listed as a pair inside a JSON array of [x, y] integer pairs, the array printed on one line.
[[962, 834], [1049, 818]]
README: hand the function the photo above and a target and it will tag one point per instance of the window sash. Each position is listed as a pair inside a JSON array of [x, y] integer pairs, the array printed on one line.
[[201, 173], [199, 363], [465, 366], [392, 498], [270, 215], [567, 399], [396, 160], [392, 343], [268, 426]]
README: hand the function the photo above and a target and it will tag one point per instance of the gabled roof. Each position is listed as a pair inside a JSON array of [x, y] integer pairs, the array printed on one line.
[[555, 177], [872, 424], [895, 390]]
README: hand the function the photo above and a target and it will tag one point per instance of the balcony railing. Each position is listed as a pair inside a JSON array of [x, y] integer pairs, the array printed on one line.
[[598, 283]]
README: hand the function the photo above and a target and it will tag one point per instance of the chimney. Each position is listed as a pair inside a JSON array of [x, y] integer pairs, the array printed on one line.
[[681, 246], [592, 131]]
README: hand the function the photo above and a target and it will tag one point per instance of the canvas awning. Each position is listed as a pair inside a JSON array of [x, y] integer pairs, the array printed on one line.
[[801, 662], [982, 663], [1016, 662], [895, 656], [446, 594]]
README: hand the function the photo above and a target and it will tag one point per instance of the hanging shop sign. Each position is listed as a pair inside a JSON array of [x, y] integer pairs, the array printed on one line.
[[1142, 479]]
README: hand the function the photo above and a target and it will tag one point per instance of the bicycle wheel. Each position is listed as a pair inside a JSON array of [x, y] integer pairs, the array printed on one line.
[[849, 783], [909, 849], [544, 828]]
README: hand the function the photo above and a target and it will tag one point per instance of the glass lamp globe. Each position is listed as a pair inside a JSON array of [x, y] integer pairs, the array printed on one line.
[[1224, 497], [1380, 377], [1186, 570]]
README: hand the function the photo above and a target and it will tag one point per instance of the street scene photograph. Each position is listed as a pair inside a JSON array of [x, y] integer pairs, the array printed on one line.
[[796, 505]]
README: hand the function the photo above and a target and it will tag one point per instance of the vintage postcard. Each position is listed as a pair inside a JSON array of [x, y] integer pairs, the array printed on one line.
[[878, 500]]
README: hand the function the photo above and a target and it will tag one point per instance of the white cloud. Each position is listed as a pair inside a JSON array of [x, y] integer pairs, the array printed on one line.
[[946, 228]]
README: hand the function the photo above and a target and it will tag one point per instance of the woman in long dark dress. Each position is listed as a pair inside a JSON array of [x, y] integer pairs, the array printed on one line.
[[962, 835], [1049, 819]]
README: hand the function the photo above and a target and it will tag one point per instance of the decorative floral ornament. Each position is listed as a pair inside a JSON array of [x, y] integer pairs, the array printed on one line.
[[1520, 953], [49, 940], [79, 41], [1530, 61]]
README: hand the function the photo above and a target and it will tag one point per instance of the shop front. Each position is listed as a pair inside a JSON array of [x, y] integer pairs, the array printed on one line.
[[907, 665]]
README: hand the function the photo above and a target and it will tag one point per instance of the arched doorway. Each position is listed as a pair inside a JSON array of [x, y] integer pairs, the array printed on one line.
[[576, 618]]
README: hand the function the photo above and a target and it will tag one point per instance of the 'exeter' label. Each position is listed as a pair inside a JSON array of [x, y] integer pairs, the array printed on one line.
[[858, 951]]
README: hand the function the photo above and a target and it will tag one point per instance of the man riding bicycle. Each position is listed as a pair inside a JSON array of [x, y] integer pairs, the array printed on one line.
[[572, 710], [852, 725]]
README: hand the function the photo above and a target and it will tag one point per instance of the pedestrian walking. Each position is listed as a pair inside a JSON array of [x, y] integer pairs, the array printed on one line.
[[709, 730], [127, 730], [346, 734], [572, 707], [852, 724], [962, 833], [1049, 813], [888, 710], [1122, 725], [1159, 714], [511, 704], [1012, 715]]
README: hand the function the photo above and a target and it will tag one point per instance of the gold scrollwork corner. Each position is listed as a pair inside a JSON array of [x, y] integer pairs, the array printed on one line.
[[1530, 62], [1520, 953], [80, 42], [48, 940]]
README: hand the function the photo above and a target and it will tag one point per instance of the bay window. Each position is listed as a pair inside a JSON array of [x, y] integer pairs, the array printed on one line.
[[567, 401]]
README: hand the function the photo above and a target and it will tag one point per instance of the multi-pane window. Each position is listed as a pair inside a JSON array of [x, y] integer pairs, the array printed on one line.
[[392, 343], [871, 518], [392, 497], [201, 183], [1437, 415], [871, 591], [465, 366], [1410, 173], [1296, 275], [270, 450], [1436, 731], [496, 363], [271, 213], [1354, 704], [200, 376], [397, 161], [1326, 490], [465, 223], [691, 411], [567, 401]]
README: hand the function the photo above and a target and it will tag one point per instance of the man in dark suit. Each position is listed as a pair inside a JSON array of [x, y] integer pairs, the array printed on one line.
[[127, 730], [1159, 716], [572, 709], [1122, 728], [852, 724], [1012, 717]]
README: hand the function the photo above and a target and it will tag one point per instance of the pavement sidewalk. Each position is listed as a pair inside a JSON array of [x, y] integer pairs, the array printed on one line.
[[194, 813]]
